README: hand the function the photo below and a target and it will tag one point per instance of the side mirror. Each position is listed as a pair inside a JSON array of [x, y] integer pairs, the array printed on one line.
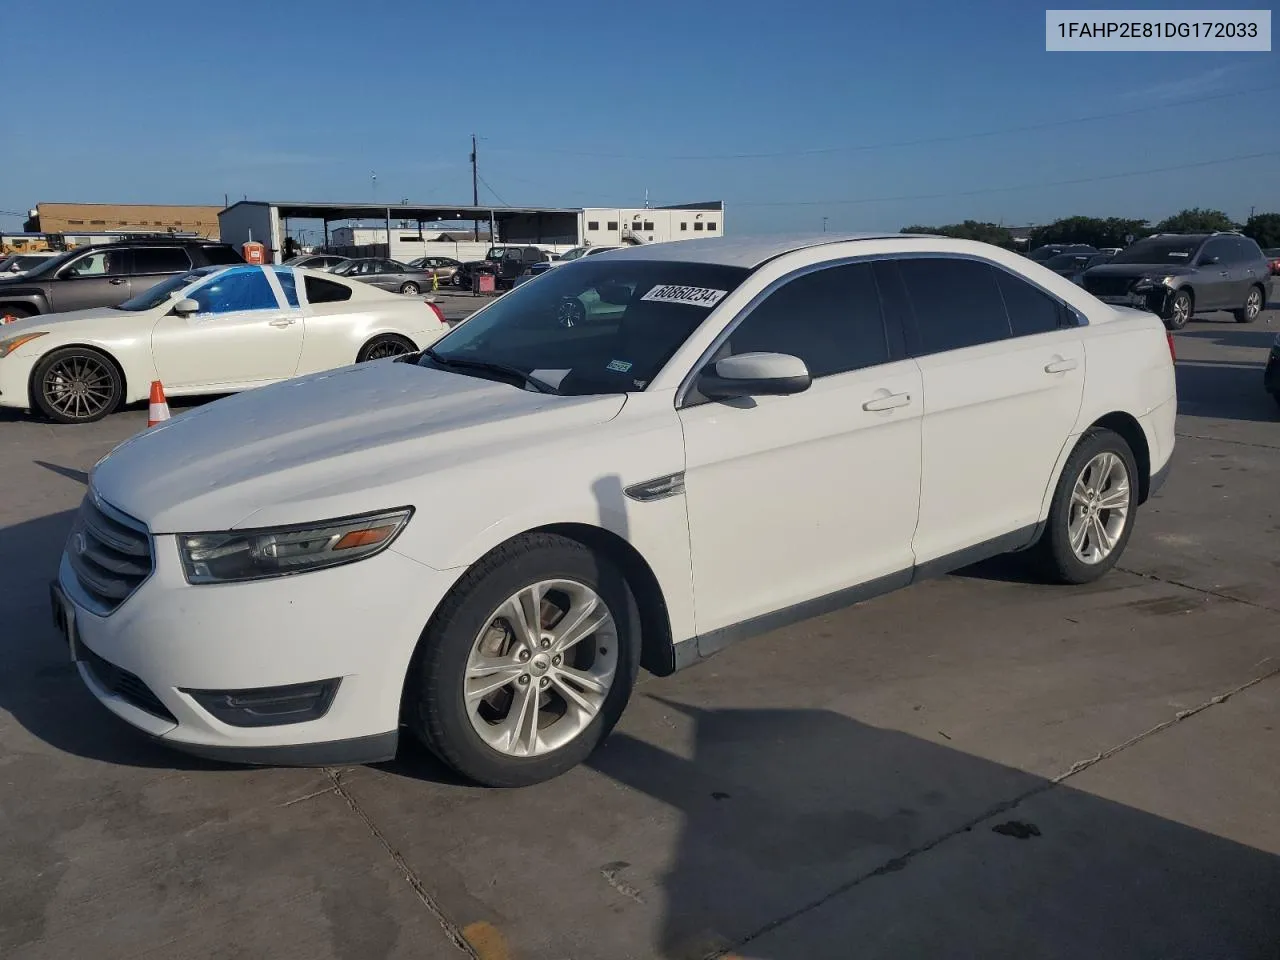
[[186, 307], [754, 375]]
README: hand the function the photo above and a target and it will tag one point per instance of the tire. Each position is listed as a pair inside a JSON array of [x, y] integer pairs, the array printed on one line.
[[1181, 309], [10, 312], [410, 288], [1055, 556], [1254, 301], [461, 732], [76, 385], [385, 345]]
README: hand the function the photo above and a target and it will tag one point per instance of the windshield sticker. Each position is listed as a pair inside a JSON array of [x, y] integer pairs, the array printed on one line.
[[693, 296], [619, 366]]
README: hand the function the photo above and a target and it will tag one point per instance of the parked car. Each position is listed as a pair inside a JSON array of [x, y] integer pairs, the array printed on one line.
[[17, 264], [1273, 260], [1098, 258], [106, 275], [569, 256], [484, 542], [316, 261], [1068, 264], [208, 330], [1041, 254], [442, 268], [1271, 375], [1178, 275], [387, 274], [505, 263]]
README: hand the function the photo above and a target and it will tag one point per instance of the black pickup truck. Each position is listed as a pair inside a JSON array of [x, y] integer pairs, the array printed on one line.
[[504, 262]]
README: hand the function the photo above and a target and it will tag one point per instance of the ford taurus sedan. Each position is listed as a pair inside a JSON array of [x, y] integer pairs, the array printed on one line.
[[481, 543]]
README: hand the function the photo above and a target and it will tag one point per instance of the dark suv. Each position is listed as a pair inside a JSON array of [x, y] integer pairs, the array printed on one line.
[[1177, 275], [106, 275], [505, 263]]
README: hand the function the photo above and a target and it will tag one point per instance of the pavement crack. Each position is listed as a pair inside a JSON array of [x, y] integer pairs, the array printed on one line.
[[901, 861], [451, 929], [1202, 590], [309, 796], [1239, 443]]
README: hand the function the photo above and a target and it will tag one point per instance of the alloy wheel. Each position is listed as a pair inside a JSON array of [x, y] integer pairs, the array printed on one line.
[[1099, 508], [1253, 304], [78, 387], [1181, 310], [540, 669], [387, 348]]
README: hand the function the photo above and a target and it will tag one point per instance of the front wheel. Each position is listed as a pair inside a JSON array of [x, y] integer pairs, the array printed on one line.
[[527, 664], [1252, 307], [1179, 310], [1092, 512], [409, 288], [76, 385]]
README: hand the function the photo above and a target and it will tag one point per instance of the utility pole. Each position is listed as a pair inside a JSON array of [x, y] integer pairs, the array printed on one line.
[[475, 189], [824, 224]]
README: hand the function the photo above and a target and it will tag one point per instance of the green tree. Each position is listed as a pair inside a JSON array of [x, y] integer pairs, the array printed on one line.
[[1196, 220], [1264, 228], [981, 231], [1111, 232]]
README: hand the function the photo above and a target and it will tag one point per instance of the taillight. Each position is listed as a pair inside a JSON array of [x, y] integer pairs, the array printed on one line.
[[1173, 353], [440, 313]]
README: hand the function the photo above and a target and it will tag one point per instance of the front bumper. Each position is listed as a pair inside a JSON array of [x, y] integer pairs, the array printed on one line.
[[155, 658], [15, 375], [1153, 300]]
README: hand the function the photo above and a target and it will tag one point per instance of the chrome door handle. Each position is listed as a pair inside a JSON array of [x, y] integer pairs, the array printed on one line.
[[888, 402], [1224, 273], [1061, 366], [116, 281], [283, 323]]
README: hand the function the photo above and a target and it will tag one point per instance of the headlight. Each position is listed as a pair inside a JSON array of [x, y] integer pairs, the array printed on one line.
[[13, 343], [1168, 281], [281, 551]]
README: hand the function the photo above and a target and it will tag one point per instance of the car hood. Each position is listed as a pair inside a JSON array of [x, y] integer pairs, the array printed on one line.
[[346, 441], [53, 321], [1135, 270]]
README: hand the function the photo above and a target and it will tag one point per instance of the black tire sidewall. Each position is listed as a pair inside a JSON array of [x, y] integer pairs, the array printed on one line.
[[1172, 320], [438, 710], [1057, 558], [363, 355], [1242, 315], [42, 368]]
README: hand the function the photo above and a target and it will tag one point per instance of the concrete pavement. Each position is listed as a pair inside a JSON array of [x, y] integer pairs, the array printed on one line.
[[975, 767]]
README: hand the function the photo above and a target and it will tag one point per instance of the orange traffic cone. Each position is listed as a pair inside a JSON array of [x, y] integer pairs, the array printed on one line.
[[159, 411]]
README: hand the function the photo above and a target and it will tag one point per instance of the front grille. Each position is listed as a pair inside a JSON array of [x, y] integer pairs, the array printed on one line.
[[1107, 286], [110, 553], [124, 684]]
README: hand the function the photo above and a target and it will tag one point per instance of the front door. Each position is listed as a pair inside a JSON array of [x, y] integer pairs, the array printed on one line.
[[797, 498], [244, 333], [1215, 284], [95, 278], [1003, 375]]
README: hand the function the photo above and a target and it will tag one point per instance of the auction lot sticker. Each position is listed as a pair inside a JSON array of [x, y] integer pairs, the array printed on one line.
[[693, 296], [1158, 30]]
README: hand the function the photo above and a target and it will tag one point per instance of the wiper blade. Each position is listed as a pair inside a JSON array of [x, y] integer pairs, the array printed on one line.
[[501, 368]]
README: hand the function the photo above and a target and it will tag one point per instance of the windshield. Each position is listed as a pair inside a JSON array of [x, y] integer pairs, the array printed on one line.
[[598, 326], [44, 264], [20, 261], [162, 291], [495, 253], [1161, 250], [573, 254], [1062, 260]]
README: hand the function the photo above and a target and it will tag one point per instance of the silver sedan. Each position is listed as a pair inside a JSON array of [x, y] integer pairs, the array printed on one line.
[[387, 274]]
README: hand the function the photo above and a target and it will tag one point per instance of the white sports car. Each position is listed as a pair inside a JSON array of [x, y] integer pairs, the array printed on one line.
[[212, 330]]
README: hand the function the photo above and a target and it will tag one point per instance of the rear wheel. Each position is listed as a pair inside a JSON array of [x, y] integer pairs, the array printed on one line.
[[409, 288], [1092, 512], [385, 345], [76, 385], [1252, 307], [1180, 309], [527, 664]]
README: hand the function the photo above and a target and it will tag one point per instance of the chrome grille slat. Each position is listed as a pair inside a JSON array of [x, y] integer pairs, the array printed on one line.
[[109, 552]]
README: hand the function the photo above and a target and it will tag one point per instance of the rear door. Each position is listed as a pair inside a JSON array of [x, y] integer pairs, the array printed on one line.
[[245, 332], [1003, 373], [95, 278], [1215, 282], [153, 264]]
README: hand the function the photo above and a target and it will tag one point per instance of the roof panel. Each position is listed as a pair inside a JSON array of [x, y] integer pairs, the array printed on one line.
[[741, 251]]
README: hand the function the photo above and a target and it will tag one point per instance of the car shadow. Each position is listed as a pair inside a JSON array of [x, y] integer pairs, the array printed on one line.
[[1223, 389], [1228, 337]]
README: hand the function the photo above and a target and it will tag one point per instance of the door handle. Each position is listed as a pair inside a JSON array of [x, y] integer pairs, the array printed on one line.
[[887, 402], [116, 281], [283, 322], [1224, 273], [1061, 366]]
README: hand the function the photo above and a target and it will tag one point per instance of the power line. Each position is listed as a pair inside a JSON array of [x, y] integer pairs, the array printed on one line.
[[887, 145], [1022, 186], [493, 191]]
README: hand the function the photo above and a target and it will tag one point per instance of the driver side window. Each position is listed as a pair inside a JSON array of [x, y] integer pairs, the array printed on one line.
[[235, 291], [103, 263]]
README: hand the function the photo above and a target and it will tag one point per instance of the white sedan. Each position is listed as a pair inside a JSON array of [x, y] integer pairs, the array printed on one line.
[[213, 330], [484, 544]]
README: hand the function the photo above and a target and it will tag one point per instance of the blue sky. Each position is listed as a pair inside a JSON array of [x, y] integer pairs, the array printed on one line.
[[595, 103]]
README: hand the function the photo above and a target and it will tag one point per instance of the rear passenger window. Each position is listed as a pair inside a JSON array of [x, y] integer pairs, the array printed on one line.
[[325, 291], [1030, 309], [830, 319], [956, 304], [160, 260]]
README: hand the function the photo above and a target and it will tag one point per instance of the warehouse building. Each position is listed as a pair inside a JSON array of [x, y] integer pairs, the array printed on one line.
[[90, 218]]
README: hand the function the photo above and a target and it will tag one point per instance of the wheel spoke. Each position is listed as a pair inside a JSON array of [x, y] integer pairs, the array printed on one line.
[[1080, 493], [520, 728], [523, 613], [576, 698], [1117, 498], [487, 676], [583, 679], [580, 622], [1102, 540], [1077, 529]]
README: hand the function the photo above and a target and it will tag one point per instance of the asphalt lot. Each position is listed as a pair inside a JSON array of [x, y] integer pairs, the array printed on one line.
[[975, 767]]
